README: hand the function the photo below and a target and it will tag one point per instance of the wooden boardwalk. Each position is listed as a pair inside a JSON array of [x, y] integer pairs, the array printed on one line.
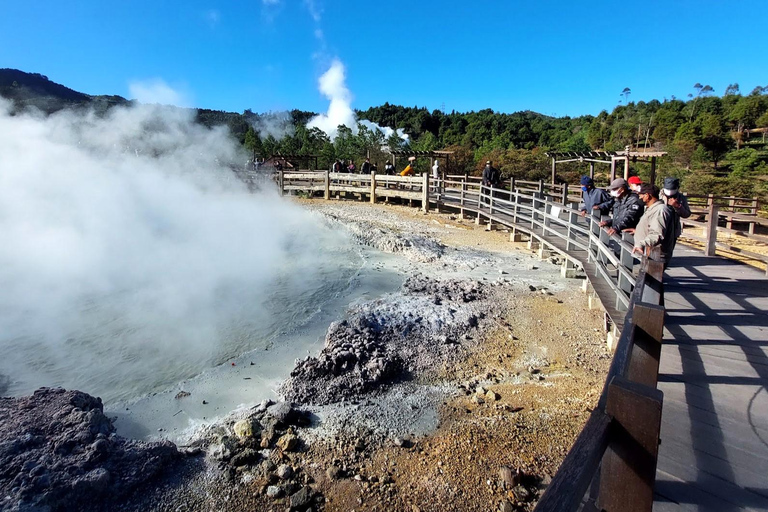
[[713, 370], [714, 375]]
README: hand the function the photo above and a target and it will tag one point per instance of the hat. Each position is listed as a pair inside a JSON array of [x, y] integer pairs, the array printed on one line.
[[488, 162], [671, 183], [411, 158], [586, 181], [617, 184], [634, 180], [647, 188]]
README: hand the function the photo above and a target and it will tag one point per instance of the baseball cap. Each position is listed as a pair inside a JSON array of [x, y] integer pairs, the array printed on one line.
[[634, 180], [617, 184]]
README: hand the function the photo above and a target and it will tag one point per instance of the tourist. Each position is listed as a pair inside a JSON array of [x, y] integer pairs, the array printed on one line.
[[389, 169], [337, 167], [627, 208], [351, 167], [634, 183], [656, 226], [491, 177], [408, 169], [672, 197], [366, 167], [594, 198], [436, 176]]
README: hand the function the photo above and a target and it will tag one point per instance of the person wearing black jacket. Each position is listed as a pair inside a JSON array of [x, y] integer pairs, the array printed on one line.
[[366, 167], [627, 208]]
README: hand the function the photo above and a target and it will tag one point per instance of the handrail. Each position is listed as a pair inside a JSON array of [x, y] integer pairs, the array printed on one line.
[[603, 455]]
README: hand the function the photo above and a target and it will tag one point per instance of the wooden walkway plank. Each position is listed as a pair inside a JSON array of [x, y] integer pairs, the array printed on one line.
[[714, 375]]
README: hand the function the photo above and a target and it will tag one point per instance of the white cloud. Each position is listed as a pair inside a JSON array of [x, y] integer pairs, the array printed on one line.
[[213, 17], [156, 91], [314, 10]]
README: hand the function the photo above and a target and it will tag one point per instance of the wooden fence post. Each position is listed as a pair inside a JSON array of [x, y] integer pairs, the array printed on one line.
[[648, 322], [541, 186], [732, 207], [629, 466], [712, 217], [565, 193], [626, 260], [373, 187], [463, 194], [490, 201], [425, 192], [327, 184], [573, 219], [755, 208], [281, 182]]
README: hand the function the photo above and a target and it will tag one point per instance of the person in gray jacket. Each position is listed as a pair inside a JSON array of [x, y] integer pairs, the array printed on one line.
[[627, 208], [594, 198], [656, 226]]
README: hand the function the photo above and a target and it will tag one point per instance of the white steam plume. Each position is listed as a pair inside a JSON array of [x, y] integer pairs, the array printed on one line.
[[129, 252], [157, 92], [333, 86], [275, 124]]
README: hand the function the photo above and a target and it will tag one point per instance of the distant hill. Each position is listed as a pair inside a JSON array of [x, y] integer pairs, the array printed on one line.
[[27, 90]]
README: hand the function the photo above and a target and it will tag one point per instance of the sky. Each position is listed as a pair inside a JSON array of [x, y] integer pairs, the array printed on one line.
[[554, 57]]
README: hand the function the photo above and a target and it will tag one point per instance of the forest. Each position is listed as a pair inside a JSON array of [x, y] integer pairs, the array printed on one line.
[[715, 143]]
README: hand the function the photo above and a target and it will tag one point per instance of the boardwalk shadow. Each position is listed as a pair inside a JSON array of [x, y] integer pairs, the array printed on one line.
[[716, 320]]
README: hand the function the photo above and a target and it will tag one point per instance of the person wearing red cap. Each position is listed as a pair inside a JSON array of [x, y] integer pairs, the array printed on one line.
[[634, 183]]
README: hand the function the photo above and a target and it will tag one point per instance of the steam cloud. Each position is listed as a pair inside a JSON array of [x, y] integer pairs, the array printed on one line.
[[332, 85], [126, 238]]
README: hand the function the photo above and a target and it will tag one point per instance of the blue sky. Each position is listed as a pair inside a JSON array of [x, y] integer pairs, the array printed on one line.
[[554, 57]]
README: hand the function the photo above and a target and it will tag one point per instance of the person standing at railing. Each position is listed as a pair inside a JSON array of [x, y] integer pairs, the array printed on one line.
[[435, 176], [672, 197], [594, 198], [365, 168], [389, 169], [627, 208], [491, 177], [634, 183], [656, 226]]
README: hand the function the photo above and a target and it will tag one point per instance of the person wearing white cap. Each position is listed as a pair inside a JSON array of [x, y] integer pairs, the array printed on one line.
[[627, 208], [672, 197]]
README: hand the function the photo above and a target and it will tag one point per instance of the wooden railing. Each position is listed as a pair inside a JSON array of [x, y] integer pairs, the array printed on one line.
[[612, 463], [544, 219], [616, 452], [714, 221], [374, 185]]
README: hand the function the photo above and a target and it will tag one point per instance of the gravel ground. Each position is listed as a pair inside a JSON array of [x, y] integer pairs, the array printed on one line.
[[462, 391]]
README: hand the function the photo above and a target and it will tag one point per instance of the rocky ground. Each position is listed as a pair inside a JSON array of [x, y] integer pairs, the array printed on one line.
[[463, 391]]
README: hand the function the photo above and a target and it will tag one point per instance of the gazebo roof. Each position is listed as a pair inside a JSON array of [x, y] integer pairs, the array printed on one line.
[[422, 153], [606, 155]]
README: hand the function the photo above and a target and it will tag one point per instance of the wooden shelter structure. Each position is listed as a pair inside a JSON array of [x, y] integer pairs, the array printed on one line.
[[431, 155], [611, 158]]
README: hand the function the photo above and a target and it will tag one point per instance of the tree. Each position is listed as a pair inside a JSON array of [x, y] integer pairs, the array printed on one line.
[[732, 89], [713, 138], [625, 93], [252, 143]]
